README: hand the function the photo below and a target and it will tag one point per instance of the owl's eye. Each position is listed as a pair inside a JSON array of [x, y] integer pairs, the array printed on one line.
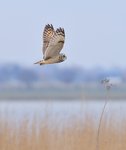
[[64, 57]]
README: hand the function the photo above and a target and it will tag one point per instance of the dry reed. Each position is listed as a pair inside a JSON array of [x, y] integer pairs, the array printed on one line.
[[76, 134]]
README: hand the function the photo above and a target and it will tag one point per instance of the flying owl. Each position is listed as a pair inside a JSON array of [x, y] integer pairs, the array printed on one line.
[[53, 41]]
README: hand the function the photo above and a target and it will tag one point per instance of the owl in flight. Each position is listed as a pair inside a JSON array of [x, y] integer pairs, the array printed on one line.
[[53, 41]]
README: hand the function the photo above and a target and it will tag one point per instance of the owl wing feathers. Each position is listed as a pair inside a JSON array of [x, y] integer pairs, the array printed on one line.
[[47, 35], [53, 41]]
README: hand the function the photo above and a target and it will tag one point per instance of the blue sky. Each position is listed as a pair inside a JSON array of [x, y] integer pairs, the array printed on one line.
[[95, 31]]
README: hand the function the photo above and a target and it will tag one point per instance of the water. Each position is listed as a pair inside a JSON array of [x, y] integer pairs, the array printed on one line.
[[61, 110]]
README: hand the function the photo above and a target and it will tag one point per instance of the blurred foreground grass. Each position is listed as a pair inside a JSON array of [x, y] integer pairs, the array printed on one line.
[[76, 134]]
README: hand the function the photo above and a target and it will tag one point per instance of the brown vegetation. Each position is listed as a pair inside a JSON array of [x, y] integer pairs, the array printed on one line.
[[74, 135]]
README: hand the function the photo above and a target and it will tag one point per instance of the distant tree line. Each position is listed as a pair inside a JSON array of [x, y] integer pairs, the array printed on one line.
[[55, 73]]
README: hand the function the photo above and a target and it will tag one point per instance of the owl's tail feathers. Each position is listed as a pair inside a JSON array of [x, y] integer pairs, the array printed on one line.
[[41, 62]]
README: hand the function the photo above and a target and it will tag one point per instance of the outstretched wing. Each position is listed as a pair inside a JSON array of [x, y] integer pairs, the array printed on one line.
[[47, 35], [55, 44]]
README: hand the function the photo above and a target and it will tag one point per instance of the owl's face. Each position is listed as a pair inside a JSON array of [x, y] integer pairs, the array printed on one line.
[[62, 57]]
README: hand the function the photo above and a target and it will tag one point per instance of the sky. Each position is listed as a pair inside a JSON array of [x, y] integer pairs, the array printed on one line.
[[95, 31]]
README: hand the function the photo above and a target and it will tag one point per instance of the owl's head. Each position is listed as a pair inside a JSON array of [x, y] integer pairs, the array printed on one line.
[[62, 57]]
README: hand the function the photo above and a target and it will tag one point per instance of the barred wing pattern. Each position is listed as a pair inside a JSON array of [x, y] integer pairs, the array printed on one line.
[[53, 41], [47, 35]]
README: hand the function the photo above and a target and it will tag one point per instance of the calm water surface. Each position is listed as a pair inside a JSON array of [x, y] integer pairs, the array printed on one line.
[[61, 110]]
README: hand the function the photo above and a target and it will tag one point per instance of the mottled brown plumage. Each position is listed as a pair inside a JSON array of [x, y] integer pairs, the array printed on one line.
[[53, 41]]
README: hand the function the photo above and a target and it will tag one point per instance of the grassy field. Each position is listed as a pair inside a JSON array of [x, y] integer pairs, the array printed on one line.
[[76, 134]]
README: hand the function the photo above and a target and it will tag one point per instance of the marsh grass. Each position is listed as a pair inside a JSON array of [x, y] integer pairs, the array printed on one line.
[[76, 134]]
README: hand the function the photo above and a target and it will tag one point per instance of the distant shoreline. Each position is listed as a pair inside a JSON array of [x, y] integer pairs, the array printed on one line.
[[61, 94]]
